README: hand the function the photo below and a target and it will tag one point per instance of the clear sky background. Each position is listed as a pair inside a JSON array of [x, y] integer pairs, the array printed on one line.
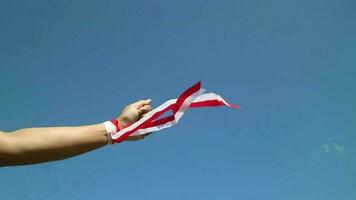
[[289, 64]]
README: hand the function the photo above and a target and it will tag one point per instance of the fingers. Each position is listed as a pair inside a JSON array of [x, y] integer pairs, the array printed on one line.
[[144, 109], [143, 106], [134, 138], [142, 102], [137, 137]]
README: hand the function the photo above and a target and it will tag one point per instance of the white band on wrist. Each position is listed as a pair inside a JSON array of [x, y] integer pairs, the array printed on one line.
[[110, 130]]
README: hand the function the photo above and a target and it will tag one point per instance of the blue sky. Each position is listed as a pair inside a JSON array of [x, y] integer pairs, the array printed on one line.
[[289, 64]]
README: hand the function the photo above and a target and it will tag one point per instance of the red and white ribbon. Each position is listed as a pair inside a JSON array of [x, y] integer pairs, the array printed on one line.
[[193, 97]]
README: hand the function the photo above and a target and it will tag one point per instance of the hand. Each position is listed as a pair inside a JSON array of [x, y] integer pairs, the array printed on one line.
[[132, 113]]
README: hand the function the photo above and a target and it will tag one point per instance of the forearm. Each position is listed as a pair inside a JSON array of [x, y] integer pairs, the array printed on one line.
[[34, 145]]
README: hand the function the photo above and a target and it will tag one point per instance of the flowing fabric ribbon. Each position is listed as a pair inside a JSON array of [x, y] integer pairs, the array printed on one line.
[[193, 97]]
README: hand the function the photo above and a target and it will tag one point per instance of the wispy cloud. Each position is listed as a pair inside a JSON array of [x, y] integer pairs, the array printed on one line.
[[328, 148]]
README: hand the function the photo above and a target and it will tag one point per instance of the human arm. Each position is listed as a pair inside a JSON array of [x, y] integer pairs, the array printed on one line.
[[35, 145]]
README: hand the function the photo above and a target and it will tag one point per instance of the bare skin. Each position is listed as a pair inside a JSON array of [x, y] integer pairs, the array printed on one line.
[[37, 145]]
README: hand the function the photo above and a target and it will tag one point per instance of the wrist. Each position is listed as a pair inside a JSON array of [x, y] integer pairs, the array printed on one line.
[[112, 127]]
